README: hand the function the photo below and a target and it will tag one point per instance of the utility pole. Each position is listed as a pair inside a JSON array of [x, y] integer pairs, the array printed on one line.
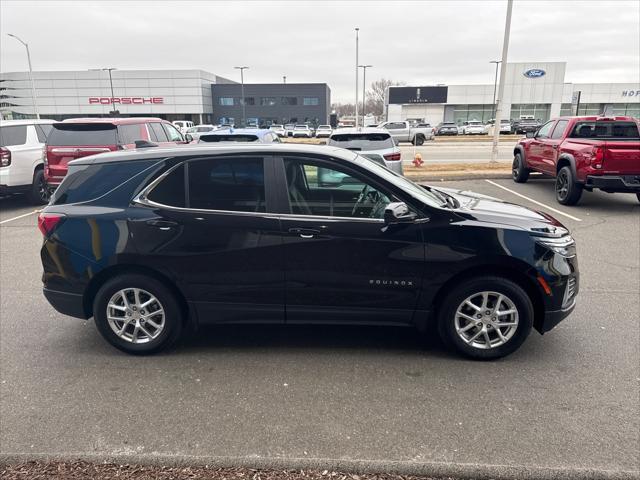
[[364, 87], [357, 32], [33, 85], [495, 84], [284, 79], [244, 111], [503, 67]]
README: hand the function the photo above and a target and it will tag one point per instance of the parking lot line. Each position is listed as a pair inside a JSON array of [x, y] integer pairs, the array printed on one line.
[[534, 201], [18, 217]]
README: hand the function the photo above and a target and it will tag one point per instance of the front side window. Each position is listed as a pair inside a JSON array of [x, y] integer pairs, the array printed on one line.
[[310, 101], [316, 189], [394, 126], [232, 184], [226, 101], [157, 133], [173, 134], [544, 130], [561, 126], [267, 101]]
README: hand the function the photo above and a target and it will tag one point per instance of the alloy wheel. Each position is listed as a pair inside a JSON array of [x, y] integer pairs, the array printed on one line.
[[135, 315], [486, 320], [562, 185], [515, 167]]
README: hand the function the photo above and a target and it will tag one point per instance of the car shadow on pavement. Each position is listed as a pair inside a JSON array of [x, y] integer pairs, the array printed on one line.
[[310, 337]]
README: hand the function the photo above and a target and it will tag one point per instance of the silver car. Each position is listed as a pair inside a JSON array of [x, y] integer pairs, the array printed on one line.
[[371, 142], [198, 130]]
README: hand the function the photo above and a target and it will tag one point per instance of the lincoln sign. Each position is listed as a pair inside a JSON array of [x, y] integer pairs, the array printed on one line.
[[125, 100]]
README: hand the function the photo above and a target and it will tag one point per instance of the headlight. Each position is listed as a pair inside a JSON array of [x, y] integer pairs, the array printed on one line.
[[565, 246]]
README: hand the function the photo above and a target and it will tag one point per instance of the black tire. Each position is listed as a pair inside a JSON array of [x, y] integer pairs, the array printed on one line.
[[174, 317], [519, 171], [39, 192], [568, 191], [638, 196], [449, 307]]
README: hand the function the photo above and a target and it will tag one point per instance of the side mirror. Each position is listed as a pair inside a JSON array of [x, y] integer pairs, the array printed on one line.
[[145, 144], [188, 137], [531, 134], [398, 212]]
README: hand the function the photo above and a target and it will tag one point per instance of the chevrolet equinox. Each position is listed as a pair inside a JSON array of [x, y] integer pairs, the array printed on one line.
[[152, 240]]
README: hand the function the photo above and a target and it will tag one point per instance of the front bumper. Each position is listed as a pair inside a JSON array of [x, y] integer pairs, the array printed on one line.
[[614, 183], [553, 318]]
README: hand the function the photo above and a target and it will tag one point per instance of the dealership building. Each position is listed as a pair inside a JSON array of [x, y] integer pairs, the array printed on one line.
[[531, 90], [195, 95]]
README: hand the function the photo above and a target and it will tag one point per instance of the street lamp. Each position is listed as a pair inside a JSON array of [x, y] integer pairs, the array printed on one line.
[[284, 79], [364, 87], [33, 86], [244, 111], [110, 69], [495, 84], [357, 32]]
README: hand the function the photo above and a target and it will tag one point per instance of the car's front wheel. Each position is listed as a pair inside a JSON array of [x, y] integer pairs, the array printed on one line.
[[568, 191], [137, 314], [486, 317], [519, 172]]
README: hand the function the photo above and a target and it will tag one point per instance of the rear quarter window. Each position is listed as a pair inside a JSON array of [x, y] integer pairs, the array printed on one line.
[[82, 134], [89, 182], [13, 135]]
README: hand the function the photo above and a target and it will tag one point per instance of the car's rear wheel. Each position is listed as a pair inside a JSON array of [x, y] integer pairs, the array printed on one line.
[[137, 314], [568, 191], [486, 317], [39, 192], [418, 139], [519, 172]]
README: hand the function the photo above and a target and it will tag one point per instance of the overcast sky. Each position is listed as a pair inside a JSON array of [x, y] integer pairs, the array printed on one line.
[[417, 42]]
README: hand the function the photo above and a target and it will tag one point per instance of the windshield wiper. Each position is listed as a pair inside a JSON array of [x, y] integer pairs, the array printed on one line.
[[441, 197], [448, 199]]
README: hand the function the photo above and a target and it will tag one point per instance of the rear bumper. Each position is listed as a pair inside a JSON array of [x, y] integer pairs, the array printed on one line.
[[70, 304], [614, 183]]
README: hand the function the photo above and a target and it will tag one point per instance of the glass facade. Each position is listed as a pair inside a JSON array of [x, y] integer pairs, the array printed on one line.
[[227, 101], [627, 109], [537, 111], [590, 109], [466, 113], [310, 101]]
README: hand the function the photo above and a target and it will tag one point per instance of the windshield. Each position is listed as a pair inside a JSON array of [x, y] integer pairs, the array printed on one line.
[[301, 127], [415, 190], [324, 127], [361, 141], [228, 138], [275, 127]]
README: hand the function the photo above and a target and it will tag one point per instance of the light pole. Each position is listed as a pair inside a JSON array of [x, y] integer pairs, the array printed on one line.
[[244, 111], [110, 69], [357, 32], [495, 84], [33, 85], [284, 79], [364, 87], [503, 72]]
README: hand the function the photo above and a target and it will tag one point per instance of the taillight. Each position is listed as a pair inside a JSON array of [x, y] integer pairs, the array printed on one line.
[[48, 222], [597, 156], [5, 157], [392, 156]]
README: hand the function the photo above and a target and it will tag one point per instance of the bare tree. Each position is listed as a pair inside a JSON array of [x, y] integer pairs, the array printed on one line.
[[343, 109], [375, 95]]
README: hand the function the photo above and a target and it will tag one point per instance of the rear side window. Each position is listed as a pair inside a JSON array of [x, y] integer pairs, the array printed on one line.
[[233, 184], [71, 134], [157, 132], [13, 135], [228, 138], [43, 130], [606, 130], [130, 133], [170, 190], [362, 141]]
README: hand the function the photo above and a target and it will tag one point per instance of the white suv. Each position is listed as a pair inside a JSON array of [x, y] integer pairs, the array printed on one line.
[[21, 158], [302, 131]]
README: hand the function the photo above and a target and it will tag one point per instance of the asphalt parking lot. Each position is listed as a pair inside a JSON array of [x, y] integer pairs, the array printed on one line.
[[568, 400]]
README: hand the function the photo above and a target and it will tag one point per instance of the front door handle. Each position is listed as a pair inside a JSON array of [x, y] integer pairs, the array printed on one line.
[[162, 224], [304, 232]]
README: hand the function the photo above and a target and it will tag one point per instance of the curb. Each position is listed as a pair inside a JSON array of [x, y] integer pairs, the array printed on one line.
[[444, 177], [433, 469]]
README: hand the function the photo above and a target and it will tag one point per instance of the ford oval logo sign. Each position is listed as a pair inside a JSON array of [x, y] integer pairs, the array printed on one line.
[[534, 73]]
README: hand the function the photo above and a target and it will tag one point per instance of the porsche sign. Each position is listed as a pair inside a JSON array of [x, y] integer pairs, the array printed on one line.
[[126, 100]]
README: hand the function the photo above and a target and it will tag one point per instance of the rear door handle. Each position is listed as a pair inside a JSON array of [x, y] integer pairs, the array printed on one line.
[[162, 224], [304, 232]]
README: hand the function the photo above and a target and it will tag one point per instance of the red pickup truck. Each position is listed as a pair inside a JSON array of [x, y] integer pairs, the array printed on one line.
[[582, 153]]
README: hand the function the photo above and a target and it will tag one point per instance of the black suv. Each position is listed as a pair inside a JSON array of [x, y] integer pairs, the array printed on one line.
[[150, 241]]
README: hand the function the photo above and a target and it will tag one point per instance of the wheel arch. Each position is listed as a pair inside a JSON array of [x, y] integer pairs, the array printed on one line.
[[110, 272], [566, 159], [519, 277], [519, 149]]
